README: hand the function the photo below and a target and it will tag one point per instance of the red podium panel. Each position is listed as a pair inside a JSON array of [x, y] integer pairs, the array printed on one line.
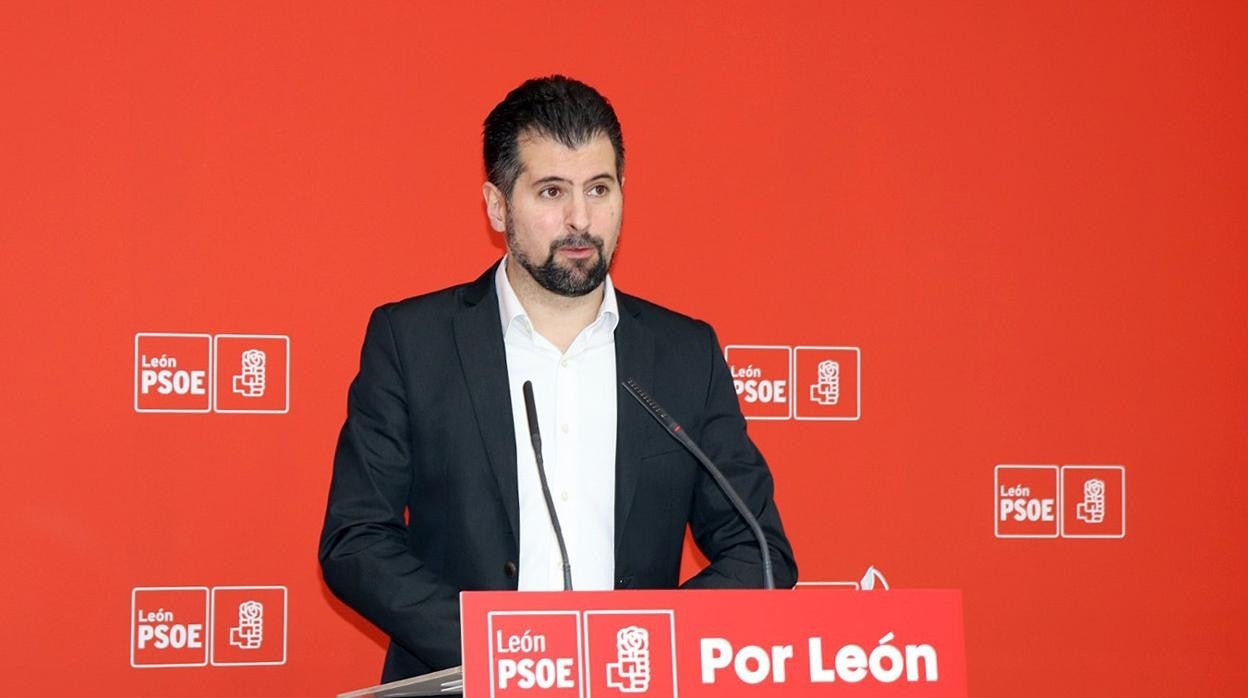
[[690, 644]]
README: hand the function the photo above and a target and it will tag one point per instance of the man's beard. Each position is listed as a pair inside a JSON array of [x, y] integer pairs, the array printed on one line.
[[578, 279]]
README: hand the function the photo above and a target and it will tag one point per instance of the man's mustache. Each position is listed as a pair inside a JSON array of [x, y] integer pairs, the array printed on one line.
[[576, 241]]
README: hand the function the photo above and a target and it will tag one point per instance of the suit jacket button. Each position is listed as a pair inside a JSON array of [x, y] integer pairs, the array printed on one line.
[[509, 568]]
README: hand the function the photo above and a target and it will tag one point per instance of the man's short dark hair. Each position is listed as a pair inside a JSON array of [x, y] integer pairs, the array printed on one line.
[[554, 107]]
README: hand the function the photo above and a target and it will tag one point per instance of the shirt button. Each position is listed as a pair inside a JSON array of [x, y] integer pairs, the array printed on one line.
[[563, 495], [564, 363], [564, 428]]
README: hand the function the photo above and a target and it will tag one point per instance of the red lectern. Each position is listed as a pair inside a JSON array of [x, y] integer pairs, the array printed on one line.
[[704, 644]]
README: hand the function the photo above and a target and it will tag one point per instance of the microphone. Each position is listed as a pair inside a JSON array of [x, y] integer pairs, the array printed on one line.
[[679, 434], [530, 409]]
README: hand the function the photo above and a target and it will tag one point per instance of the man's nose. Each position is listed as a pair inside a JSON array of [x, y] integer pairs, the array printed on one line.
[[577, 214]]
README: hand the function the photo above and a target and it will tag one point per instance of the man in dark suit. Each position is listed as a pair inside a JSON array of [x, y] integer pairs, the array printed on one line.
[[435, 488]]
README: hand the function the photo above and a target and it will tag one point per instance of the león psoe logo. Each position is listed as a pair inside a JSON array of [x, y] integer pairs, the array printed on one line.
[[1092, 508], [631, 672], [249, 633], [250, 382], [827, 388]]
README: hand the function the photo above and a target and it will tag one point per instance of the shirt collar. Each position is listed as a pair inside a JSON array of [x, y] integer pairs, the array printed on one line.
[[510, 310]]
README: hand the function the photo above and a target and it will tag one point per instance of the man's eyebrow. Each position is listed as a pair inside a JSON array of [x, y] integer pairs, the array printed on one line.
[[551, 180], [556, 179]]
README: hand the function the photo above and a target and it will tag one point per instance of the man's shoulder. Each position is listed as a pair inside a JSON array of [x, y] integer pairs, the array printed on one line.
[[442, 303], [429, 302], [664, 321]]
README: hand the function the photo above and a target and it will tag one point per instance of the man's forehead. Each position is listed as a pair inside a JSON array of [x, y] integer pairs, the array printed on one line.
[[542, 156]]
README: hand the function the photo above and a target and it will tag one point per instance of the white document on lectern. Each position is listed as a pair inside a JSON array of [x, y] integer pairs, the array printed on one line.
[[448, 682]]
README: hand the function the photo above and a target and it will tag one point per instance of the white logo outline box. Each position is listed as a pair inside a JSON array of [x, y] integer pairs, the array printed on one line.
[[212, 629], [286, 399], [788, 364], [1062, 516], [671, 615], [211, 376], [996, 503], [489, 634], [857, 378], [134, 626]]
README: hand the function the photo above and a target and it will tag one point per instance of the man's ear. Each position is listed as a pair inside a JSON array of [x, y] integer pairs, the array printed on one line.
[[495, 206]]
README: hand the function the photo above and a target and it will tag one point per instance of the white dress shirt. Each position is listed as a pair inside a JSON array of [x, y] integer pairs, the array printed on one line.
[[575, 392]]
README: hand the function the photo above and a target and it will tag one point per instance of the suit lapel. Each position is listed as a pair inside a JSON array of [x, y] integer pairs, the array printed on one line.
[[479, 340], [634, 358]]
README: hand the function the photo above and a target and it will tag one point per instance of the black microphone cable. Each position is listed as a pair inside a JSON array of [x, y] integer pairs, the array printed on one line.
[[679, 434], [530, 408]]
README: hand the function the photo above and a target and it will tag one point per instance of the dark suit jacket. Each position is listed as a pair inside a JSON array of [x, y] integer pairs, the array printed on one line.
[[429, 432]]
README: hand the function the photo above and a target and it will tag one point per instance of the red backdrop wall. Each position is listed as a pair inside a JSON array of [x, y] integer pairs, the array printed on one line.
[[1029, 219]]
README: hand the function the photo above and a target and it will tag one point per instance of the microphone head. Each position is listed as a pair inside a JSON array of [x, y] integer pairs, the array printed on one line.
[[656, 410], [530, 408]]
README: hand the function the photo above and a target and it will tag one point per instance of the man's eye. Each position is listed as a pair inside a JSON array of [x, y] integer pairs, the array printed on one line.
[[599, 190], [549, 192]]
